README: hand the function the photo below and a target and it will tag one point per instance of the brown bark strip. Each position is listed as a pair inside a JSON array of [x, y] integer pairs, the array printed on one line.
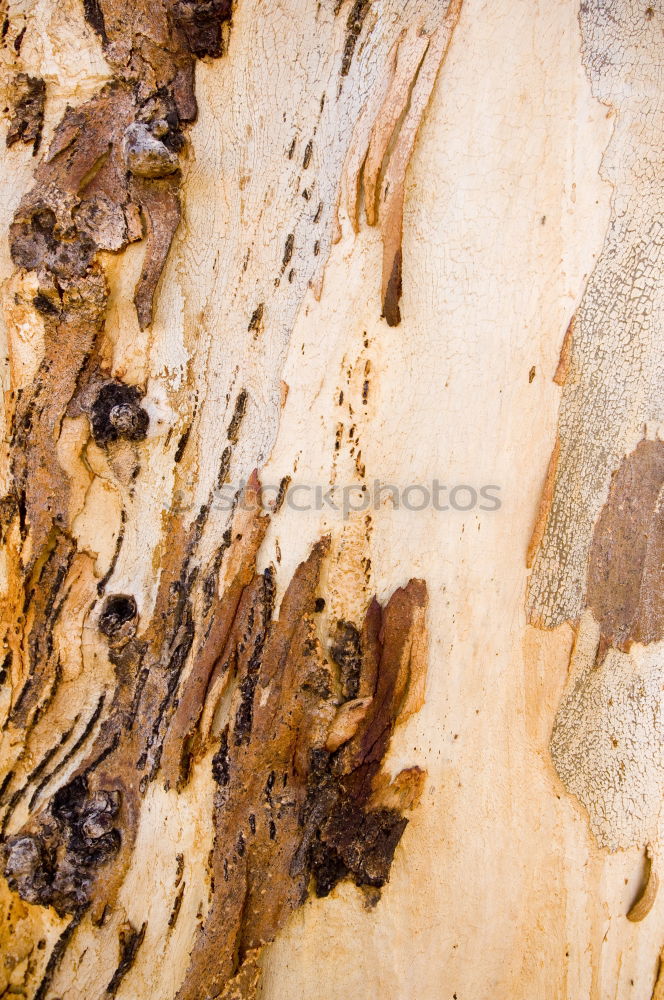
[[626, 569], [159, 200], [658, 989], [565, 359], [645, 899], [130, 940], [544, 505], [354, 23], [211, 662], [288, 809]]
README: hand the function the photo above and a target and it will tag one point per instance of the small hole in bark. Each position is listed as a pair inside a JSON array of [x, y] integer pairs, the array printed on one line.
[[117, 611]]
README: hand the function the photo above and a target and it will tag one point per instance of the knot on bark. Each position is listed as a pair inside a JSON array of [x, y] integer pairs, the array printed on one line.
[[117, 413], [56, 864]]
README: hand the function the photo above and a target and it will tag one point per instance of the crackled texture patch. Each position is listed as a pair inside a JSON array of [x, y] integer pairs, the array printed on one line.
[[607, 738], [613, 356], [597, 540]]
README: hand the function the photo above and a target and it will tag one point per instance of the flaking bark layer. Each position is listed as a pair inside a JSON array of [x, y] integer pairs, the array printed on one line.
[[301, 802], [301, 799]]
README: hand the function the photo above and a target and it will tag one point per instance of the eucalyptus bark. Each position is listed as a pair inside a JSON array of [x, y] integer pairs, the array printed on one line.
[[332, 499]]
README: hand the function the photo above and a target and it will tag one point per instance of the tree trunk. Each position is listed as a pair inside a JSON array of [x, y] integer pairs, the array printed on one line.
[[332, 565]]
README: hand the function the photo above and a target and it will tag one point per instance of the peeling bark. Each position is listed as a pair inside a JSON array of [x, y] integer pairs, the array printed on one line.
[[27, 96], [288, 809], [625, 589], [597, 558], [111, 177], [186, 678]]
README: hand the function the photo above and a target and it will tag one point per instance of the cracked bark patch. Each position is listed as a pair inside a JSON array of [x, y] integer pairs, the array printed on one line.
[[596, 548], [608, 730], [612, 362]]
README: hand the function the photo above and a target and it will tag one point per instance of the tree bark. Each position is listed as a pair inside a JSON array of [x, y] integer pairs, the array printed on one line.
[[332, 500]]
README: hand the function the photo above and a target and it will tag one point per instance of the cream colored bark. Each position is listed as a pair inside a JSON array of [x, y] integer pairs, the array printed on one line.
[[507, 883]]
